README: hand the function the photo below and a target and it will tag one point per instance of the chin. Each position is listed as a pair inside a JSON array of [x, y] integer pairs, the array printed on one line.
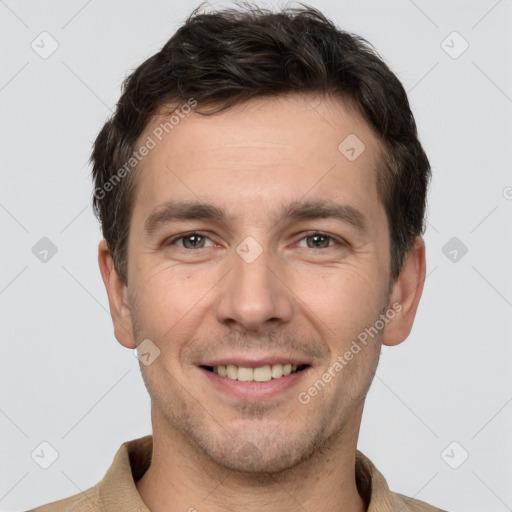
[[262, 456]]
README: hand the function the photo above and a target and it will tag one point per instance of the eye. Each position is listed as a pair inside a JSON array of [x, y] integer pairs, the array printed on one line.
[[191, 241], [319, 240]]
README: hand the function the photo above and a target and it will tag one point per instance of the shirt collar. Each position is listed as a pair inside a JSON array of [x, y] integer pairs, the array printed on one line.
[[118, 493]]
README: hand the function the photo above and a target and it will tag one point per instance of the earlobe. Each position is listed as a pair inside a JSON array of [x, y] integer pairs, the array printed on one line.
[[120, 310], [406, 293]]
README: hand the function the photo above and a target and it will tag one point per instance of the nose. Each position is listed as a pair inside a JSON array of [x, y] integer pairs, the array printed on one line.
[[255, 296]]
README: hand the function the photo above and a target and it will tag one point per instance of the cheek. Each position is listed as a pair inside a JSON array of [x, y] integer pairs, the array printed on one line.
[[342, 302], [170, 298]]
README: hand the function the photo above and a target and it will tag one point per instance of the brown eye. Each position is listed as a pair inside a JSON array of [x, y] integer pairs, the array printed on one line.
[[191, 241], [318, 241]]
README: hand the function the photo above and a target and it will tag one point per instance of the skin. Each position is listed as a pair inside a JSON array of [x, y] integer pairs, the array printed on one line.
[[212, 450]]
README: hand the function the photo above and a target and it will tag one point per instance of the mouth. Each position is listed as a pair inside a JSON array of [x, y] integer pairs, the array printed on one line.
[[264, 373]]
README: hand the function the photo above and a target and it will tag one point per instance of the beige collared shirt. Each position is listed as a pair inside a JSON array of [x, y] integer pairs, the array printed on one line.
[[117, 491]]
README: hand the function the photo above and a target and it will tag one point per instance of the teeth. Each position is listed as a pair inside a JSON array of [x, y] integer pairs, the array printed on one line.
[[232, 371], [245, 374], [260, 374], [277, 371]]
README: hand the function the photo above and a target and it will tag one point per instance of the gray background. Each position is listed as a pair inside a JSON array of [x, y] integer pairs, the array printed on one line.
[[65, 380]]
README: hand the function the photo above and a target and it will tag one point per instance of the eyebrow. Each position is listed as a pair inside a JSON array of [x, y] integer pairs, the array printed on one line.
[[293, 211], [183, 210]]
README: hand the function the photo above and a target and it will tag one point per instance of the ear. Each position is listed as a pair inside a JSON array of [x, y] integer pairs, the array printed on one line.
[[117, 292], [405, 295]]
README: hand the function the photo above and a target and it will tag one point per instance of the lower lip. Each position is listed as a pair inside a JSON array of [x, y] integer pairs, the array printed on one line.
[[255, 390]]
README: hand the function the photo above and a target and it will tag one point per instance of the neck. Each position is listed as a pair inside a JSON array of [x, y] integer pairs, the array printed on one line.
[[180, 478]]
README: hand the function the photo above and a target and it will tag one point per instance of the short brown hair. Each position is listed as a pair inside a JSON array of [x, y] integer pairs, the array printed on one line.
[[226, 57]]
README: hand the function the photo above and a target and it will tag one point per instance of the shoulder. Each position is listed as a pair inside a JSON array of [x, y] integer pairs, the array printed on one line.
[[87, 501], [412, 505], [117, 486], [373, 487]]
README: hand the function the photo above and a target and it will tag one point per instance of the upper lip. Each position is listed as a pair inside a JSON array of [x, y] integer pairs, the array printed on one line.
[[255, 362]]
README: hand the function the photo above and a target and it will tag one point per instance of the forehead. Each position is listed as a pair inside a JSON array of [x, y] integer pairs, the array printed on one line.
[[265, 150]]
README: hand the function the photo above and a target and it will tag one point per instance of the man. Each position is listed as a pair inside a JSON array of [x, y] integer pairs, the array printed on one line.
[[261, 191]]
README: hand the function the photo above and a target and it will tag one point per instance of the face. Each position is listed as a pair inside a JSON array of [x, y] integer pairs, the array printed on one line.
[[256, 244]]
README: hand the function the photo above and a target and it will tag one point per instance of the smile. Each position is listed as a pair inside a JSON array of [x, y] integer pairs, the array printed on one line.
[[260, 374]]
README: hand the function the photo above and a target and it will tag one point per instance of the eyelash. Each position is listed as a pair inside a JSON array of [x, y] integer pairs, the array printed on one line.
[[337, 241]]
